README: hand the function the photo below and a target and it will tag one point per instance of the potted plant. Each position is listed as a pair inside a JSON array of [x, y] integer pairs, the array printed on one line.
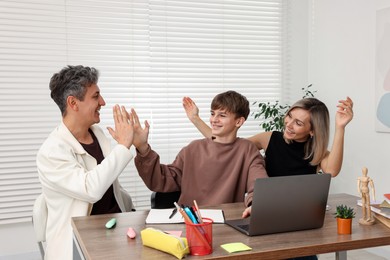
[[344, 216], [272, 114]]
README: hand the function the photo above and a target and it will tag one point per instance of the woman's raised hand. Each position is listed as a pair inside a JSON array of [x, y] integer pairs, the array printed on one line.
[[344, 112]]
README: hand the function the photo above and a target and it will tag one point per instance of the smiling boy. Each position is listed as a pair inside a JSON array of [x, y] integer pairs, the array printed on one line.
[[220, 169]]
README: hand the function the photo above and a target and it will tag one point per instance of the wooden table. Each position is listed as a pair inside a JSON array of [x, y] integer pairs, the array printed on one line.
[[96, 242]]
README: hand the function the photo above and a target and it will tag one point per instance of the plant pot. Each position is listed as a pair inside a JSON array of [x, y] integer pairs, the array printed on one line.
[[344, 226]]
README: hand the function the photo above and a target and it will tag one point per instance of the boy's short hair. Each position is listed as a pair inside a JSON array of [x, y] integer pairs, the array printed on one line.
[[233, 102]]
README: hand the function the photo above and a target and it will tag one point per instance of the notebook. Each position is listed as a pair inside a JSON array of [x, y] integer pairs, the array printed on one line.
[[161, 216], [288, 203]]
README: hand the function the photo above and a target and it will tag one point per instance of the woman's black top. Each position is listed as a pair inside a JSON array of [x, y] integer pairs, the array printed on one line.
[[282, 159]]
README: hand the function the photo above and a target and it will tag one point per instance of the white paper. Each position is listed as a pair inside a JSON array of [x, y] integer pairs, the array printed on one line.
[[161, 216]]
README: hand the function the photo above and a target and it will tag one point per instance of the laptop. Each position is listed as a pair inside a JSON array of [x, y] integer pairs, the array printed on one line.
[[288, 203]]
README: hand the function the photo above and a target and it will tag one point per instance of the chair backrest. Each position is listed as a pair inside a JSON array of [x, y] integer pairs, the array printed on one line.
[[39, 219], [164, 200]]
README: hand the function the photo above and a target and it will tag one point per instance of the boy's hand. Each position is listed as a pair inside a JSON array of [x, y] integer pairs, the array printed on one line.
[[247, 212], [140, 140]]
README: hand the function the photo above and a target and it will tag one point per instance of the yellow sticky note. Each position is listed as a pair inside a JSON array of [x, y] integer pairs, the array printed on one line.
[[235, 247]]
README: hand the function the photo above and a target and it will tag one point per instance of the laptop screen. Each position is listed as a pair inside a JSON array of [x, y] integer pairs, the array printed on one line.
[[287, 203]]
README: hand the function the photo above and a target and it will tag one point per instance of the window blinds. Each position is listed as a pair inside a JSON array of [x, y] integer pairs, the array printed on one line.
[[32, 44], [149, 53]]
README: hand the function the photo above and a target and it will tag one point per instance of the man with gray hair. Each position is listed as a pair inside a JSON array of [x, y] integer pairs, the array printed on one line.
[[77, 168]]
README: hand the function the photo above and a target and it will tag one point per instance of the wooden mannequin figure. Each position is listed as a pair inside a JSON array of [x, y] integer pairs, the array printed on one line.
[[363, 188]]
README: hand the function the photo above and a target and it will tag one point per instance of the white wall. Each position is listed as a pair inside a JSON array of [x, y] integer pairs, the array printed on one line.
[[18, 239], [342, 63], [333, 47], [297, 60]]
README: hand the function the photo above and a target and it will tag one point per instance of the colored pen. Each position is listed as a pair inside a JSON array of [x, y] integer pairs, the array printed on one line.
[[190, 215], [195, 212], [174, 211], [186, 218]]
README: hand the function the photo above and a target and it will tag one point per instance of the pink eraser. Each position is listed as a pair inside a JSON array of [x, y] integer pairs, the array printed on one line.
[[131, 233]]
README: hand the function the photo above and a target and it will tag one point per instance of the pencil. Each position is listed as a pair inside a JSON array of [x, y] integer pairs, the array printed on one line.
[[198, 211], [185, 216]]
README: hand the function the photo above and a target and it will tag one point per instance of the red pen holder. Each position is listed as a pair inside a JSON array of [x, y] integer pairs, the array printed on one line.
[[200, 237]]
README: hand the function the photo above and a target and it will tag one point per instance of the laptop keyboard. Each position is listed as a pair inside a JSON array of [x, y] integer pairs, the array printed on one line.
[[244, 227]]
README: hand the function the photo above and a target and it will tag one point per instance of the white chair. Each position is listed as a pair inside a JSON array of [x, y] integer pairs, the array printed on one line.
[[39, 219]]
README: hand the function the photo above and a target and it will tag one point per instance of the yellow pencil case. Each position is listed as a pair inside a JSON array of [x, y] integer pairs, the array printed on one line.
[[165, 242]]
